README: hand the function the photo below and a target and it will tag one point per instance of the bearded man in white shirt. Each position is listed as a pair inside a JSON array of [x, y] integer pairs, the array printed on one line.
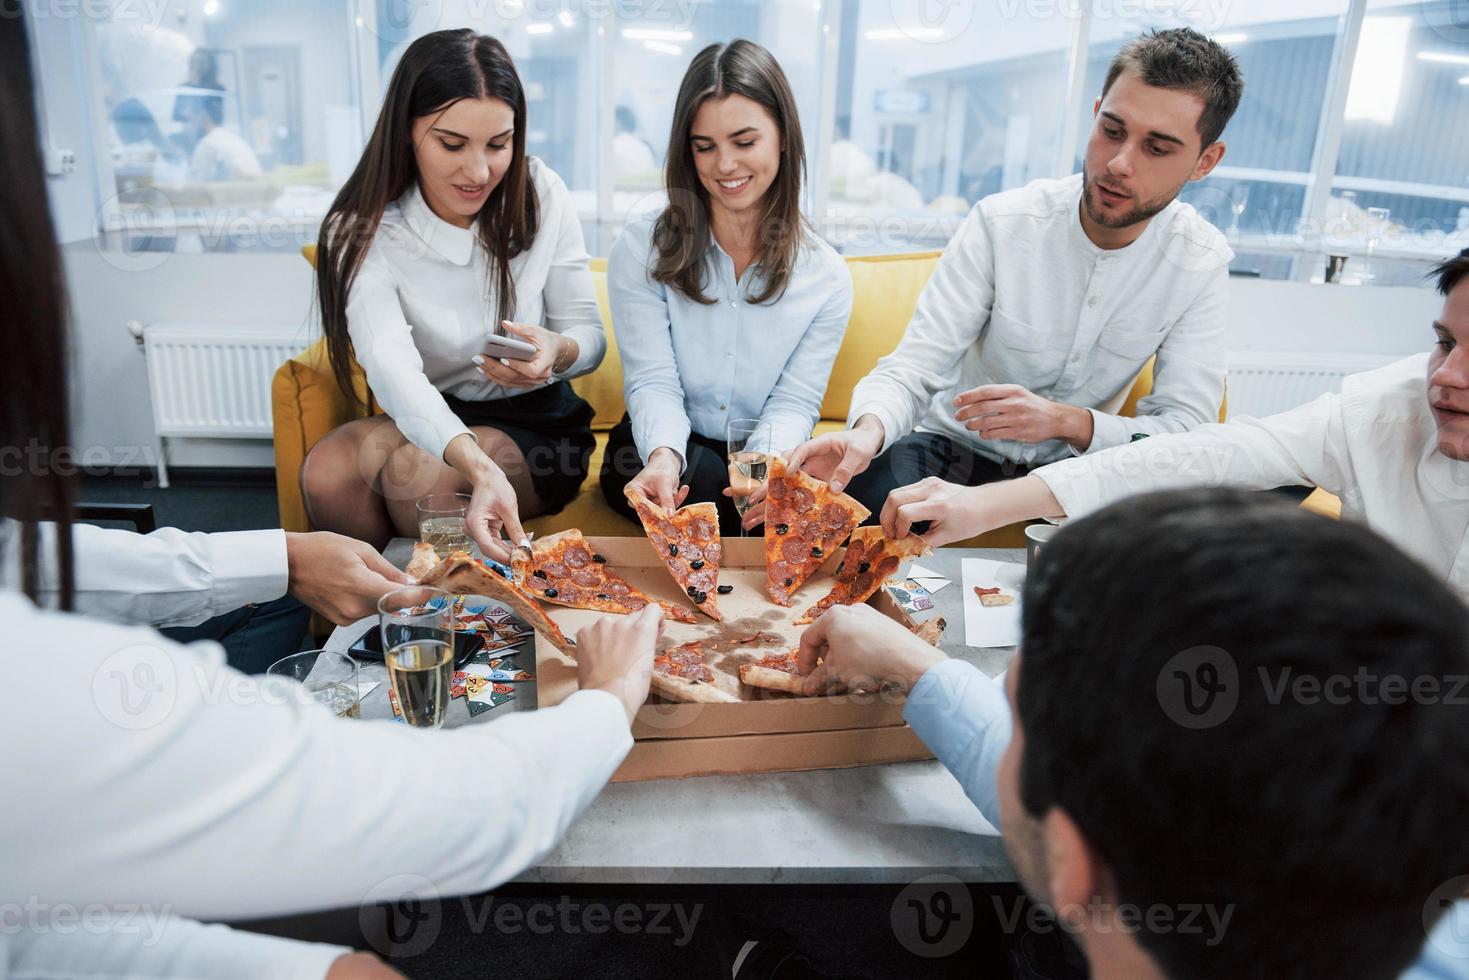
[[1052, 297], [1394, 446]]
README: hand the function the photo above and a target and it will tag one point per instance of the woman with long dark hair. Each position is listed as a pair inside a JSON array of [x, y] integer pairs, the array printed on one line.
[[447, 238], [726, 304], [219, 797]]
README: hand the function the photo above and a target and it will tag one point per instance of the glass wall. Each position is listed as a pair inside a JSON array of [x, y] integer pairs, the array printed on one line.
[[228, 125]]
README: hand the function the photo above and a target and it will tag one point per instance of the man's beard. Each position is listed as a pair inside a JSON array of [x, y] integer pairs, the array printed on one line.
[[1139, 212]]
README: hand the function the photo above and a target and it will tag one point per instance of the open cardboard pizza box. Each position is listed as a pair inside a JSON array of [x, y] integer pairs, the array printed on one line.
[[765, 732]]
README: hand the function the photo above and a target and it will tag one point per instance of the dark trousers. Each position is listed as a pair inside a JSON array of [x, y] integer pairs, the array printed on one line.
[[923, 454], [254, 636], [707, 474]]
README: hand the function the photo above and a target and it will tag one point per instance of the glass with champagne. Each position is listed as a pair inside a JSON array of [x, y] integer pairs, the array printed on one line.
[[441, 522], [326, 677], [749, 460], [417, 627]]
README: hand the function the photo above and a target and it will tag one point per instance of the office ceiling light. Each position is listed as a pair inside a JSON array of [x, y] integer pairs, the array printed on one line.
[[1464, 80], [567, 18], [1443, 57], [663, 47], [211, 8], [1377, 73], [649, 34], [911, 33], [1231, 38], [539, 28]]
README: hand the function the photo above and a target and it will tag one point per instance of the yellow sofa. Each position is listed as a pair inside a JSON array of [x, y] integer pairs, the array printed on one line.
[[308, 404]]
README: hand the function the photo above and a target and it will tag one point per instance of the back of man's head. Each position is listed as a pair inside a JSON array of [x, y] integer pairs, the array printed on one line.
[[1245, 706]]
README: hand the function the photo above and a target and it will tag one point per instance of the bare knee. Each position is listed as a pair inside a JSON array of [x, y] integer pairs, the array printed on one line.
[[360, 966]]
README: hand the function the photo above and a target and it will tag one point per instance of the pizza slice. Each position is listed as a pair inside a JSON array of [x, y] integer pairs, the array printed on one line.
[[871, 557], [462, 573], [782, 672], [688, 544], [804, 523], [423, 561], [993, 597], [562, 568], [681, 674]]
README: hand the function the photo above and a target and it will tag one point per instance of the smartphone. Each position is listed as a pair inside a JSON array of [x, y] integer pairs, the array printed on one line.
[[509, 347]]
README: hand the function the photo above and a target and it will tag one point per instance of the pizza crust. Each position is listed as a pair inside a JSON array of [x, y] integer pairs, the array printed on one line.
[[682, 689], [423, 561], [771, 679]]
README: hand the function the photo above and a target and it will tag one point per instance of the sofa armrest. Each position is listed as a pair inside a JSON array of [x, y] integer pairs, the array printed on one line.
[[306, 404]]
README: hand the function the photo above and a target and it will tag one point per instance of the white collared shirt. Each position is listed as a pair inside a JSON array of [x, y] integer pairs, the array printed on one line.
[[166, 578], [1375, 446], [1022, 296], [691, 366], [139, 770], [423, 303]]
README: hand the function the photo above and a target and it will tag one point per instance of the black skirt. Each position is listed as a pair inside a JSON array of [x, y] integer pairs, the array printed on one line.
[[552, 426]]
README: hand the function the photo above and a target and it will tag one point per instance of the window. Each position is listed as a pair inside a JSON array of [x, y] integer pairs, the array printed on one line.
[[651, 47], [1257, 194], [228, 125], [933, 113]]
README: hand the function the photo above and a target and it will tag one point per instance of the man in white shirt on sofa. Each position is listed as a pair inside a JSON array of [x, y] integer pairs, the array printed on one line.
[[1052, 297], [1394, 446]]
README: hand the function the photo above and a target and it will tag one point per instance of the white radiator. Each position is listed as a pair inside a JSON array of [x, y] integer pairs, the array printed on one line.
[[1263, 383], [213, 381]]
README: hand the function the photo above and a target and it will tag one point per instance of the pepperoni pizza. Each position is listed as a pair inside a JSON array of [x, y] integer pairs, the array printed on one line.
[[804, 523], [682, 674], [871, 557], [688, 543], [562, 568]]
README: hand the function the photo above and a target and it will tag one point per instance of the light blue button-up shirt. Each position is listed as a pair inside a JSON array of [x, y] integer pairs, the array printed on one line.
[[964, 717], [691, 367]]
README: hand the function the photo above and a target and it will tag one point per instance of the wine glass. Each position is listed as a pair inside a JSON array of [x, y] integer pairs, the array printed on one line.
[[417, 625], [327, 677], [1376, 226], [749, 461], [1237, 205]]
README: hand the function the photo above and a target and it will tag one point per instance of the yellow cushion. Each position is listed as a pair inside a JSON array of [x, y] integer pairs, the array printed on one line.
[[885, 290], [1323, 503]]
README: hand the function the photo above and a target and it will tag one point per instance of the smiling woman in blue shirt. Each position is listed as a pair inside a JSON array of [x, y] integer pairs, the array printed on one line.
[[726, 304]]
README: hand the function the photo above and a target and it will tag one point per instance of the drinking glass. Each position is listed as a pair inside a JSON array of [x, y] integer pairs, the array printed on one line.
[[749, 460], [328, 677], [1376, 226], [441, 522], [417, 626]]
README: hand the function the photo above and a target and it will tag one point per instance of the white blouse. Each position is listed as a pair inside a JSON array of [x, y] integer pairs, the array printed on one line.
[[423, 303]]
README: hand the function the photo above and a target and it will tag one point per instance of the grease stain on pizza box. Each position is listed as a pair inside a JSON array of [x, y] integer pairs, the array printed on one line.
[[766, 731]]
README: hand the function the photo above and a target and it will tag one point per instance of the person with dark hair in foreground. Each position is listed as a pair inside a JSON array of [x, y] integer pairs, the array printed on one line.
[[1393, 445], [1236, 725], [1052, 297]]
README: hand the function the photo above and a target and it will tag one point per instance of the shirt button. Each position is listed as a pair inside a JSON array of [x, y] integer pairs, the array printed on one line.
[[729, 355], [723, 407], [1091, 301], [734, 304]]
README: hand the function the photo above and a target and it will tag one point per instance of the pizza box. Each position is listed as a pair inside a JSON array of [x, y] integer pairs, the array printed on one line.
[[766, 732]]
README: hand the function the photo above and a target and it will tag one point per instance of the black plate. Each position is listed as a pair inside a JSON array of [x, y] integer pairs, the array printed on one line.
[[369, 646]]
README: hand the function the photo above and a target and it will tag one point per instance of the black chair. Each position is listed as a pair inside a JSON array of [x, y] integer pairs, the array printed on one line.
[[140, 516]]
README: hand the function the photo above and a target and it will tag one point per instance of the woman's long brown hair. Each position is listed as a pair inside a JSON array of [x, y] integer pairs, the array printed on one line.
[[35, 426], [681, 234], [436, 71]]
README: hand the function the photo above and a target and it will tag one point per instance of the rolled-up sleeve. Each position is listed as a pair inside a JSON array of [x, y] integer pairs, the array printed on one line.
[[383, 343], [794, 404], [650, 378]]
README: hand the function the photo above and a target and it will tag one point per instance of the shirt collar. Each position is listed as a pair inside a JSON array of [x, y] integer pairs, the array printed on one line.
[[452, 242]]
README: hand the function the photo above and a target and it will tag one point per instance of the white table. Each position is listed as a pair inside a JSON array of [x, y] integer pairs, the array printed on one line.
[[871, 824]]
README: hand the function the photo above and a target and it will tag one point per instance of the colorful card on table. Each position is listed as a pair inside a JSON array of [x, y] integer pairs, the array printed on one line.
[[911, 596]]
